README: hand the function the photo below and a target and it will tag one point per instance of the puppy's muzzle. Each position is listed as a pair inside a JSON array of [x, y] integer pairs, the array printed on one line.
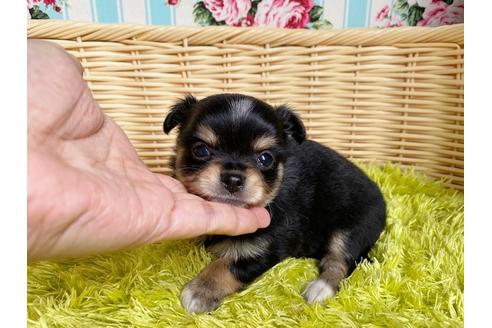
[[232, 181]]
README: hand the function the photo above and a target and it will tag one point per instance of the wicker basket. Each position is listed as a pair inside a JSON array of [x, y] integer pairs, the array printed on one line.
[[373, 94]]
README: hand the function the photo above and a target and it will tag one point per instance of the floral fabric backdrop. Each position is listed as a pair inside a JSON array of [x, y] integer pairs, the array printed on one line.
[[312, 14]]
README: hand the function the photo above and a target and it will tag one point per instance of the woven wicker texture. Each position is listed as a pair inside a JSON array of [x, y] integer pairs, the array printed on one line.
[[372, 94]]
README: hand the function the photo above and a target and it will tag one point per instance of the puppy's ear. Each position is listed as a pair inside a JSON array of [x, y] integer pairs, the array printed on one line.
[[178, 113], [293, 125]]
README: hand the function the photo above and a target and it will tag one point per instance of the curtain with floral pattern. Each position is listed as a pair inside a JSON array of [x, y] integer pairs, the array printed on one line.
[[310, 14]]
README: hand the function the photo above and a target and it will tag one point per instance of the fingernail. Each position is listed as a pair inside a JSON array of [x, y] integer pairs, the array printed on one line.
[[263, 216]]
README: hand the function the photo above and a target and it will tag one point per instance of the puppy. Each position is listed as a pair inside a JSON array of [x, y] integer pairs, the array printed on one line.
[[236, 149]]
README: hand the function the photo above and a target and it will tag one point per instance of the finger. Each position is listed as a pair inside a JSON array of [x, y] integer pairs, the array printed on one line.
[[77, 63], [53, 101], [231, 220], [192, 216], [261, 214]]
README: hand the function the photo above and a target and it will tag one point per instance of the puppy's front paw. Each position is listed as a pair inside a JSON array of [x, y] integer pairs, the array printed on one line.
[[198, 297], [317, 291], [204, 293]]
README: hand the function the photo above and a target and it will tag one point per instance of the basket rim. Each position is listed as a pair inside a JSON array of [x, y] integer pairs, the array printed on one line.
[[89, 31]]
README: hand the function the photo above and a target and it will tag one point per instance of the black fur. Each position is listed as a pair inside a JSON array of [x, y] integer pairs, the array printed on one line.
[[178, 113], [321, 192], [292, 124]]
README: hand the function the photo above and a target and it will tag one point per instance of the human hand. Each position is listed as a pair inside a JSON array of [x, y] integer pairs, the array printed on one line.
[[88, 192]]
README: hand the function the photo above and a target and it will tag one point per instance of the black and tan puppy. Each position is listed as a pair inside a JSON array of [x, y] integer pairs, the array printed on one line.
[[237, 149]]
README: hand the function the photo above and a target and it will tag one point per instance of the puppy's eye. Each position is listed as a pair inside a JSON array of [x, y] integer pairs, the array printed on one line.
[[201, 151], [265, 160]]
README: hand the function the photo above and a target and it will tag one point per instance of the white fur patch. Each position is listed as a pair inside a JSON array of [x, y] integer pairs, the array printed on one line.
[[193, 303], [318, 291], [187, 300], [240, 108], [237, 249]]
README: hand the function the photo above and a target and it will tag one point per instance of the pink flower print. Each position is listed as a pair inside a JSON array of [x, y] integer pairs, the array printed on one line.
[[440, 13], [382, 13], [394, 23], [248, 21], [283, 13], [31, 3], [230, 11]]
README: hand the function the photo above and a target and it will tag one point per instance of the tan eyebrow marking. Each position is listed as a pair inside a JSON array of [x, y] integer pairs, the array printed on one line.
[[264, 142], [207, 135]]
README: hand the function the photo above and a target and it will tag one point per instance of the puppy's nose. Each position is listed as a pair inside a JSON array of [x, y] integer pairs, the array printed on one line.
[[233, 182]]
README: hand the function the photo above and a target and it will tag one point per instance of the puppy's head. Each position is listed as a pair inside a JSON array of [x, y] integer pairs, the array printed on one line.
[[231, 148]]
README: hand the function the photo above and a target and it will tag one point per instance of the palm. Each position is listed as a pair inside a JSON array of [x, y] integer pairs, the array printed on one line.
[[86, 181]]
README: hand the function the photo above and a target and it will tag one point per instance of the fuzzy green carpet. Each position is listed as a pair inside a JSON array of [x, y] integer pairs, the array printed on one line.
[[415, 280]]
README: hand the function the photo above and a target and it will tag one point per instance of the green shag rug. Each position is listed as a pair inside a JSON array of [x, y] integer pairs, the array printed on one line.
[[415, 279]]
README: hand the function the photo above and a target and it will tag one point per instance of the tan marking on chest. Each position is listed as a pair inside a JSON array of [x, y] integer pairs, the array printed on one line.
[[237, 249]]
